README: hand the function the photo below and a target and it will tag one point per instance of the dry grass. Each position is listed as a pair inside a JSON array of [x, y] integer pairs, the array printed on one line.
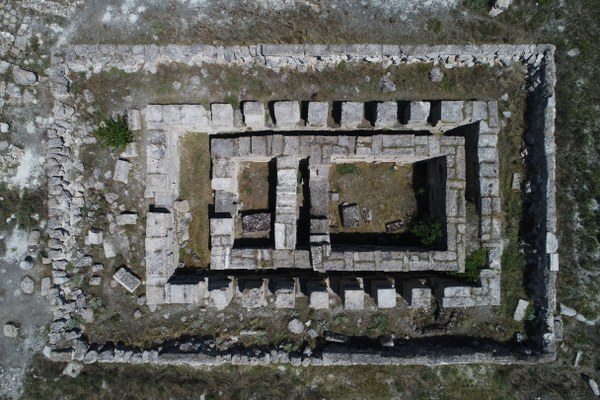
[[195, 187], [253, 183], [385, 188]]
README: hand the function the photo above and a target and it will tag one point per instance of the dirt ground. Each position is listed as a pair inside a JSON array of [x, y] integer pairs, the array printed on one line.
[[384, 188]]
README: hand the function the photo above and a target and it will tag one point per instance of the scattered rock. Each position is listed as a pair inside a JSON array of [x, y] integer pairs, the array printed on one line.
[[594, 386], [504, 97], [34, 238], [127, 279], [367, 215], [436, 75], [395, 226], [578, 358], [27, 285], [573, 52], [127, 219], [22, 76], [122, 168], [568, 311], [94, 237], [296, 326], [95, 280], [109, 249], [11, 330], [520, 310], [137, 314], [26, 264], [336, 337], [73, 369], [45, 286], [386, 85], [499, 7], [141, 300], [4, 127]]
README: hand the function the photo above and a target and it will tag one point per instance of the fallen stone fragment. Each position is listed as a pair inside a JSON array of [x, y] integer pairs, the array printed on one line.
[[122, 168], [95, 280], [296, 326], [127, 279], [499, 7], [94, 237], [73, 369], [137, 314], [436, 75], [11, 330], [4, 127], [26, 264], [27, 285], [520, 310], [127, 219], [22, 76], [594, 387], [578, 358], [130, 151], [109, 249], [568, 311], [516, 181], [45, 286]]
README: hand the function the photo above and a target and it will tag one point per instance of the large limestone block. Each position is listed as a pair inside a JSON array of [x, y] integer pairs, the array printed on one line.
[[254, 114], [287, 114], [386, 114], [452, 111], [221, 115], [354, 297], [352, 114], [419, 112], [127, 279], [384, 294], [318, 295], [318, 112]]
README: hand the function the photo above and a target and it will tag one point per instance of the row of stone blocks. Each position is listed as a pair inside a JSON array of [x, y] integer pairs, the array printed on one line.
[[218, 292], [319, 115]]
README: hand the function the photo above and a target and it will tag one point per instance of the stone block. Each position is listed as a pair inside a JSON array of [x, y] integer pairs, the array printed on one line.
[[122, 168], [318, 113], [134, 122], [253, 294], [221, 226], [220, 292], [386, 114], [520, 310], [318, 295], [384, 294], [417, 295], [254, 114], [184, 293], [127, 219], [221, 115], [127, 279], [452, 111], [354, 296], [352, 114], [94, 237], [419, 112], [287, 114], [285, 293], [73, 369]]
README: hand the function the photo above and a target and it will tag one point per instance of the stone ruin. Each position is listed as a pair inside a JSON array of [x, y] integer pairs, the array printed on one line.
[[447, 133], [285, 139]]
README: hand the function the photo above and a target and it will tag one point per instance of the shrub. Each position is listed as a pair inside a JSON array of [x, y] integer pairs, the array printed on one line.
[[114, 132], [428, 231], [475, 262]]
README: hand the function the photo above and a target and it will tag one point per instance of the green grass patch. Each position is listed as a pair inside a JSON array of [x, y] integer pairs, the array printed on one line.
[[114, 132], [428, 231], [345, 169]]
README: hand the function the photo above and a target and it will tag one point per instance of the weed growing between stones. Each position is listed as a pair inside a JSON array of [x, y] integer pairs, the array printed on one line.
[[114, 132]]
